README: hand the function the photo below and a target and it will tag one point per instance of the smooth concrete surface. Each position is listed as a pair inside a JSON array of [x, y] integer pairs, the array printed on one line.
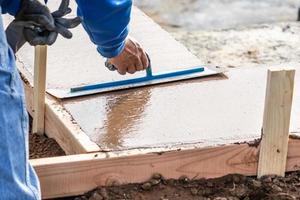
[[211, 111], [76, 62]]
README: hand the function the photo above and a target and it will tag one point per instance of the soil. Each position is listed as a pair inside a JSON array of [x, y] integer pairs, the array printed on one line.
[[230, 187], [41, 146], [252, 46]]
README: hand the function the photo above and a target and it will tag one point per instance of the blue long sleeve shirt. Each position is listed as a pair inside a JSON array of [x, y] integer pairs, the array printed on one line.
[[106, 22]]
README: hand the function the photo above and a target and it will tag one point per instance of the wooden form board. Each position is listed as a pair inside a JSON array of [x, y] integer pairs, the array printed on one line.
[[75, 175], [276, 123], [40, 67]]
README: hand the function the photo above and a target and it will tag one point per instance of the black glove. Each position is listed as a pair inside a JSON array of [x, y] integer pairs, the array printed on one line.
[[62, 25], [35, 13], [40, 31]]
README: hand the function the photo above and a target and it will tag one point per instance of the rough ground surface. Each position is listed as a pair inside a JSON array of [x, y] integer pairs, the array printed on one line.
[[258, 45], [230, 187], [43, 147], [218, 14]]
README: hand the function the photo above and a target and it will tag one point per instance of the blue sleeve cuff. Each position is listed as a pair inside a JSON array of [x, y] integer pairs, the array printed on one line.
[[110, 52], [11, 6]]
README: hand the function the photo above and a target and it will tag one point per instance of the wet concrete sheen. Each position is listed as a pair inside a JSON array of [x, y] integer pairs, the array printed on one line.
[[211, 111]]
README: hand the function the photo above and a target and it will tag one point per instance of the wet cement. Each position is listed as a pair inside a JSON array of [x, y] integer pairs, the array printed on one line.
[[76, 62], [211, 112]]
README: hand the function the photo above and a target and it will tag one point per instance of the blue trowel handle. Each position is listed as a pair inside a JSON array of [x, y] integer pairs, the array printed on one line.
[[111, 67]]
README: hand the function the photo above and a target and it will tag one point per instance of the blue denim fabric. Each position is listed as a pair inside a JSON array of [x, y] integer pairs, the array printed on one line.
[[17, 178]]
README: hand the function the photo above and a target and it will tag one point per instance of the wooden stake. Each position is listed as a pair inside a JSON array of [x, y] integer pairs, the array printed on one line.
[[40, 64], [276, 122]]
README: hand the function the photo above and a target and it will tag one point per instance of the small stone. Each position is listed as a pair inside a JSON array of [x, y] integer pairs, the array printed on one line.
[[207, 191], [233, 198], [256, 184], [267, 179], [154, 181], [157, 176], [209, 184], [194, 191], [103, 193], [282, 185], [96, 196], [276, 188], [146, 186], [236, 179], [171, 182], [184, 179], [78, 198], [240, 192], [220, 198], [176, 195]]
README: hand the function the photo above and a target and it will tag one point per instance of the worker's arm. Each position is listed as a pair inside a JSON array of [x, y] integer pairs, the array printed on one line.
[[106, 22], [10, 6]]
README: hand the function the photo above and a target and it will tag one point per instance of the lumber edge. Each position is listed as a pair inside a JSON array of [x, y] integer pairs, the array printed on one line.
[[78, 174], [59, 125], [276, 121], [40, 68]]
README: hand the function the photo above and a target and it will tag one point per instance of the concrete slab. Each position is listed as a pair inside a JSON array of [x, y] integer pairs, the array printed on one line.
[[214, 112]]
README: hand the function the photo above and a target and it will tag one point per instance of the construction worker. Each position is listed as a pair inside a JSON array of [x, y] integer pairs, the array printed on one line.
[[106, 22]]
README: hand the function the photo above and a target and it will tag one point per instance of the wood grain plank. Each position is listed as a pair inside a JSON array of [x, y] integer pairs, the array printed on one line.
[[276, 122], [75, 175], [40, 68]]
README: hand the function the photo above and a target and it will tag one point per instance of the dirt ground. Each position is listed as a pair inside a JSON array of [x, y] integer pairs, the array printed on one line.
[[40, 146], [230, 187], [43, 147], [254, 46]]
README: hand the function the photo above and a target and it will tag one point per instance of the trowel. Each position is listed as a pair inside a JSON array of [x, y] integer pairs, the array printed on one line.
[[147, 80]]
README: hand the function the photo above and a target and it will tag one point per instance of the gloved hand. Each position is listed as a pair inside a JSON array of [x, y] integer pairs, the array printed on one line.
[[35, 13], [37, 27], [132, 59]]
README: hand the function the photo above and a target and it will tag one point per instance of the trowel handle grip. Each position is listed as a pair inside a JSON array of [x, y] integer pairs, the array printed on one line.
[[112, 67]]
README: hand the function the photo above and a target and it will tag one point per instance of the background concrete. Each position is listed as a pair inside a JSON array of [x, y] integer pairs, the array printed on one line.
[[218, 14]]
